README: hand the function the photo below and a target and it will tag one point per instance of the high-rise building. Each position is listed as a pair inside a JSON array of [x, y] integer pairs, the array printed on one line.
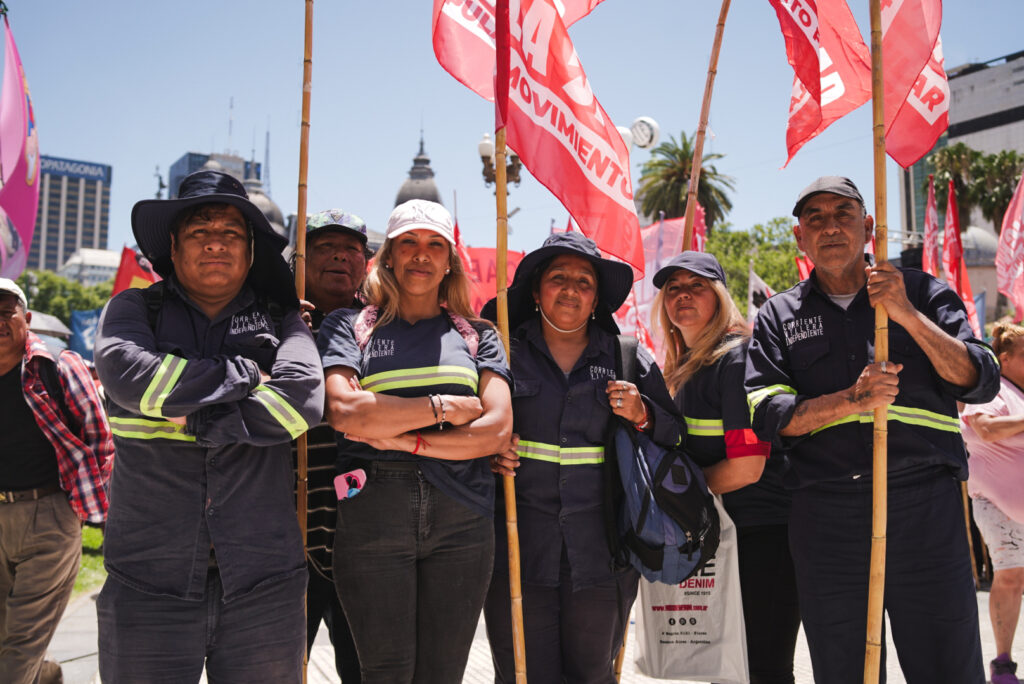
[[190, 162], [74, 211]]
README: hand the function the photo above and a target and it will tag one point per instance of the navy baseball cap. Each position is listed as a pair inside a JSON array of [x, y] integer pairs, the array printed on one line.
[[837, 185], [698, 263]]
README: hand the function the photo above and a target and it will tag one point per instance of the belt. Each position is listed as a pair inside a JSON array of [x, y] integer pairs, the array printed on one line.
[[28, 494]]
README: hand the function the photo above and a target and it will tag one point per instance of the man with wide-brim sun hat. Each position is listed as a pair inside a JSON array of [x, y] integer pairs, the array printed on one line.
[[563, 348], [209, 374]]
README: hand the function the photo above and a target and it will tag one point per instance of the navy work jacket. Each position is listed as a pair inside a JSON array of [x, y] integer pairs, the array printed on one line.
[[805, 345], [561, 423], [224, 480]]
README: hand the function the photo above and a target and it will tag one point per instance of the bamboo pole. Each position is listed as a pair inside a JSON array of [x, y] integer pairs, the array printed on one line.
[[302, 452], [622, 653], [698, 142], [511, 516], [880, 470], [970, 540]]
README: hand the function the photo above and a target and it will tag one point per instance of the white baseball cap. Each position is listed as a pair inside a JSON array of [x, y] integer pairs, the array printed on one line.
[[418, 214], [8, 286]]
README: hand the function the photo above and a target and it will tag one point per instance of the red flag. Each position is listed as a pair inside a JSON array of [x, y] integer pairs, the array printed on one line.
[[930, 252], [953, 265], [134, 271], [803, 266], [561, 132], [700, 230], [19, 164], [831, 63], [485, 267], [467, 260], [1010, 254], [924, 114]]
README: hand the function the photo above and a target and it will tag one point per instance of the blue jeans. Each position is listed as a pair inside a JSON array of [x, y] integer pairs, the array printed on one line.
[[411, 566], [257, 637], [929, 590]]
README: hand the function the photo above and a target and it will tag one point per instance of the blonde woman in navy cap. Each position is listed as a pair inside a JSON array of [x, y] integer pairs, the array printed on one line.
[[418, 390], [576, 600], [705, 350]]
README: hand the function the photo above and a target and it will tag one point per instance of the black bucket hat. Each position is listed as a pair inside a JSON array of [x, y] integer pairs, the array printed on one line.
[[614, 280], [153, 219], [698, 263]]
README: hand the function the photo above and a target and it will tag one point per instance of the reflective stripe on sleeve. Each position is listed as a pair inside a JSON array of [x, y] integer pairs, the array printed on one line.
[[163, 382], [552, 453], [281, 410], [701, 427], [144, 428], [902, 414], [420, 377], [757, 396]]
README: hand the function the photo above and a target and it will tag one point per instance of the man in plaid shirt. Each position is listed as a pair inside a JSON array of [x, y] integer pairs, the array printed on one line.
[[56, 460]]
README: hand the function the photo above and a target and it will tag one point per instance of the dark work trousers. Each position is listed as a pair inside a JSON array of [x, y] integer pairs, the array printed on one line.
[[572, 637], [411, 566], [322, 604], [257, 637], [929, 590], [771, 611]]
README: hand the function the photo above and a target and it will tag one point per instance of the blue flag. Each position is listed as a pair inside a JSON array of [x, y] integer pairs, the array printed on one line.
[[83, 332]]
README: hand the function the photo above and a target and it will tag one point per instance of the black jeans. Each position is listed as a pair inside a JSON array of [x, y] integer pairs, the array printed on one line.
[[572, 637], [771, 611], [322, 604], [411, 566]]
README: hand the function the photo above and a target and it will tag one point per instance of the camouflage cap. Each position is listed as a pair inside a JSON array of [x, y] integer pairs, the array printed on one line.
[[336, 219]]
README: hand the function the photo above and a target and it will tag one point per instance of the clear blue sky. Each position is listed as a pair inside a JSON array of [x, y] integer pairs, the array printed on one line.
[[136, 84]]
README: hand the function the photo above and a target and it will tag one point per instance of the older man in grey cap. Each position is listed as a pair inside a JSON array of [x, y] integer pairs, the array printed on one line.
[[812, 385], [209, 375]]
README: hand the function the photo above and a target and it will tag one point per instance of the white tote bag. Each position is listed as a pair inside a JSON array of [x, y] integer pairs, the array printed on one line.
[[694, 630]]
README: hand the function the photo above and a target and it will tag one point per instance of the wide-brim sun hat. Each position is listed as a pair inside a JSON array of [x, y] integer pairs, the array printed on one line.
[[698, 263], [419, 214], [153, 219], [614, 279]]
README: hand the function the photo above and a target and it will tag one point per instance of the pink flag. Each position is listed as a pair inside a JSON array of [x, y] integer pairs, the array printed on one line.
[[924, 114], [930, 252], [19, 159], [953, 265], [830, 54], [1010, 254], [561, 132], [700, 230]]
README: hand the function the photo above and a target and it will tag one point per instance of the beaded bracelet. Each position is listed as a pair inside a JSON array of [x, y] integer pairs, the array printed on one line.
[[444, 415], [430, 397]]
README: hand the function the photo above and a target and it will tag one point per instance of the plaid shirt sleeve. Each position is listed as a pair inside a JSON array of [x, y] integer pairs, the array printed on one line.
[[85, 449]]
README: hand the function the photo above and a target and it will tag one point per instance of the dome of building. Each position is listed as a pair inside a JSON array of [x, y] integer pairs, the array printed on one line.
[[254, 187], [212, 165], [420, 184]]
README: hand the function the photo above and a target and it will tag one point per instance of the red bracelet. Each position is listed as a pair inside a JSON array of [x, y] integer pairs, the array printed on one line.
[[419, 441], [643, 424]]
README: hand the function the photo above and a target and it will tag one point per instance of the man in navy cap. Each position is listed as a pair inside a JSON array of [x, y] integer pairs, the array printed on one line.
[[812, 386], [209, 374]]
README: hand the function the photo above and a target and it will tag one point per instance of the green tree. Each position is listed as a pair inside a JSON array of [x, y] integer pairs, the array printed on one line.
[[665, 178], [772, 247], [959, 163], [51, 294], [995, 178]]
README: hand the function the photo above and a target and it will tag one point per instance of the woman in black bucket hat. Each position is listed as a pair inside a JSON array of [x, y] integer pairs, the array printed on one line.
[[575, 599]]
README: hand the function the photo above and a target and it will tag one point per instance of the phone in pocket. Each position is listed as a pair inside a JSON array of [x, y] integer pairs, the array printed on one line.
[[349, 484]]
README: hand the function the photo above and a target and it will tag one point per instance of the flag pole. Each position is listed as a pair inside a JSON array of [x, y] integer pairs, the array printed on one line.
[[622, 653], [698, 141], [502, 50], [302, 454], [880, 483]]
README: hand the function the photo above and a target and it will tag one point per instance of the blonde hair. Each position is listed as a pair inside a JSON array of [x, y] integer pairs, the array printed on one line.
[[1006, 337], [381, 287], [725, 331]]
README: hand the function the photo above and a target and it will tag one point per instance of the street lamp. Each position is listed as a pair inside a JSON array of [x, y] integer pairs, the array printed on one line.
[[486, 149]]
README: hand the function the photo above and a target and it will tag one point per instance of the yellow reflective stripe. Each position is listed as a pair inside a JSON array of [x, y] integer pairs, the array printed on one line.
[[141, 428], [994, 357], [281, 410], [757, 396], [420, 377], [163, 382], [552, 453], [700, 427], [902, 414]]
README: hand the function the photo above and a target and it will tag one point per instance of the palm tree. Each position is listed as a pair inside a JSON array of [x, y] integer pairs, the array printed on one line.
[[995, 179], [665, 177], [958, 162]]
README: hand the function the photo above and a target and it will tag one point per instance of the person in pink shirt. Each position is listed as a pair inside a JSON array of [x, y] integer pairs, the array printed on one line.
[[994, 435]]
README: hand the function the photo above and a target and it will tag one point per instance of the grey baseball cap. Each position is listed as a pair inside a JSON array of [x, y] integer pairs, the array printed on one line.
[[837, 185]]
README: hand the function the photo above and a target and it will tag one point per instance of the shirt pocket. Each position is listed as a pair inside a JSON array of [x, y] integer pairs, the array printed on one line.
[[903, 349], [260, 347], [812, 374]]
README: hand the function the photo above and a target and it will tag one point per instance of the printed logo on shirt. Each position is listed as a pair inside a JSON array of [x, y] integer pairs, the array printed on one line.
[[802, 329], [249, 322], [599, 373], [379, 348]]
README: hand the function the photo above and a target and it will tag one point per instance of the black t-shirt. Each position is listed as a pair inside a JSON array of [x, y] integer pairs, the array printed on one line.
[[28, 460]]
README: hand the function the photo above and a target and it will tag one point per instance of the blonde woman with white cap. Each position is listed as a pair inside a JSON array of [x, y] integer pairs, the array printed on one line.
[[417, 388]]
